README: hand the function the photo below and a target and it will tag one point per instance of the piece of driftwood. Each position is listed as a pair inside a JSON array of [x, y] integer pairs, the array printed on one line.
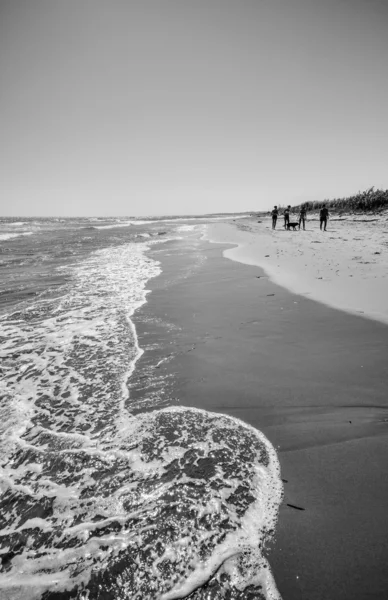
[[296, 507]]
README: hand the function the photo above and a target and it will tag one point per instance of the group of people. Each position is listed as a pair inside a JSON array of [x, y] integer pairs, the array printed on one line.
[[323, 217]]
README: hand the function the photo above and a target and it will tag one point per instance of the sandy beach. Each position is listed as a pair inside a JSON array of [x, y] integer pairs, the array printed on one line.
[[194, 404], [345, 267], [226, 338]]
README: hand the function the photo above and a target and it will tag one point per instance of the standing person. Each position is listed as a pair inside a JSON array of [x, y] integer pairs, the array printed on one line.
[[323, 216], [274, 214], [302, 217], [286, 215]]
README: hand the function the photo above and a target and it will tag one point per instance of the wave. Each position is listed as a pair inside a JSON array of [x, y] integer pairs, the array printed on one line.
[[114, 225], [99, 503], [10, 236], [180, 219], [186, 228], [67, 344], [183, 500]]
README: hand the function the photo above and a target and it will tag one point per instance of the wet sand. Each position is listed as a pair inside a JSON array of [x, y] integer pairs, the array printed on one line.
[[312, 378]]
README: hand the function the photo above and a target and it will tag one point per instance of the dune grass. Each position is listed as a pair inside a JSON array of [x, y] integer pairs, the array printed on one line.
[[369, 201]]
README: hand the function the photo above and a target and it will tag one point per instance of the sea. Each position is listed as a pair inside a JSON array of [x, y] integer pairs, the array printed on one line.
[[103, 496]]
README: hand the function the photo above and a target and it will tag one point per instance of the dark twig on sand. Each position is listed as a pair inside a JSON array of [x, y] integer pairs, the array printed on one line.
[[296, 507]]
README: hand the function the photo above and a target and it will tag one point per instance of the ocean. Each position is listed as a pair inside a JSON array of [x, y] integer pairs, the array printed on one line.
[[105, 496]]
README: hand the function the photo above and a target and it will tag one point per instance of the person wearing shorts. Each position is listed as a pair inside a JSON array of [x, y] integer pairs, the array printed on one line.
[[286, 215]]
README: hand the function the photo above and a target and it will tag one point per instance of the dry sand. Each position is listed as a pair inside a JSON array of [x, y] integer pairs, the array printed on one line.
[[345, 267], [225, 338]]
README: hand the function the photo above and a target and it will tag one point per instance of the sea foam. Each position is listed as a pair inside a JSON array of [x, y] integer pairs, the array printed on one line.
[[184, 502], [99, 503]]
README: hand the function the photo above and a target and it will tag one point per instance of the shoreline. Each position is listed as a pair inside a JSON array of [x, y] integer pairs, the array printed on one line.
[[227, 339], [345, 268]]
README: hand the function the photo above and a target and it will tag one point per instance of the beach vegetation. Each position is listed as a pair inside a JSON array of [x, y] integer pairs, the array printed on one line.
[[369, 201]]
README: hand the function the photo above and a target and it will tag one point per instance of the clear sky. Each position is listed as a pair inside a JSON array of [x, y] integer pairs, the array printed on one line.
[[122, 107]]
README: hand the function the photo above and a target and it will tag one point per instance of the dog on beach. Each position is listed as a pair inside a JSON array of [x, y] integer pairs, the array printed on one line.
[[293, 225]]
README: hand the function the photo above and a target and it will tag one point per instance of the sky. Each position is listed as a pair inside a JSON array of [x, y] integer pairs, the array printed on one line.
[[150, 107]]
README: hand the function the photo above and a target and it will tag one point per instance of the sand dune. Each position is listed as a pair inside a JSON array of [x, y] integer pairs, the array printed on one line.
[[345, 267]]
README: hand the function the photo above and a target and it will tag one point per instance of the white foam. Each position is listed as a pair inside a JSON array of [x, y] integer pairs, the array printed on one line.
[[10, 236], [114, 225], [186, 228], [180, 219], [191, 495], [101, 485], [81, 348]]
